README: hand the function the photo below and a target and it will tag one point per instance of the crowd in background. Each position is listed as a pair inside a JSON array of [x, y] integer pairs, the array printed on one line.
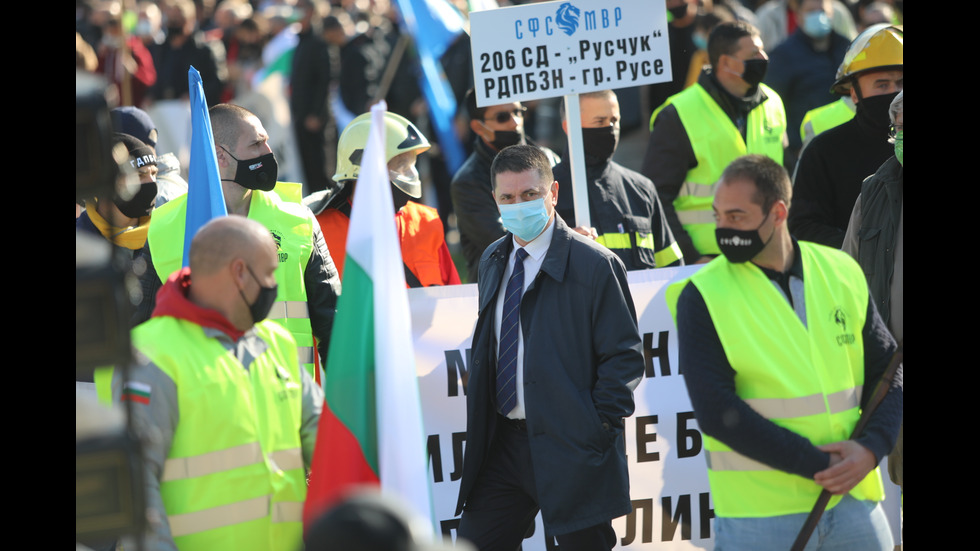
[[332, 59]]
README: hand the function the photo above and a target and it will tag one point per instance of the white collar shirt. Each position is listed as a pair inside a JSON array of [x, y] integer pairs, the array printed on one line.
[[536, 249]]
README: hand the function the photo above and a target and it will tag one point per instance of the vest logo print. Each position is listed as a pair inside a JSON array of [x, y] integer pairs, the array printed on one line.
[[283, 255], [772, 133], [840, 318]]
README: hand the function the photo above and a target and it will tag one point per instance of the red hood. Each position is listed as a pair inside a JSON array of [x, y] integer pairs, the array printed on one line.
[[172, 301]]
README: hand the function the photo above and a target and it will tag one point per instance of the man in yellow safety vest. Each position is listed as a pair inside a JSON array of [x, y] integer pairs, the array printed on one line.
[[227, 416], [781, 347]]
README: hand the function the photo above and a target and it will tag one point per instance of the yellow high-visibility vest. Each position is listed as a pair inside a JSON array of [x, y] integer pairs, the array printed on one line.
[[805, 378], [291, 225], [716, 143], [234, 476]]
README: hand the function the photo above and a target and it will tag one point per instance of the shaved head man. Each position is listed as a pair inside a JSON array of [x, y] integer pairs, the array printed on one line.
[[206, 357], [233, 259]]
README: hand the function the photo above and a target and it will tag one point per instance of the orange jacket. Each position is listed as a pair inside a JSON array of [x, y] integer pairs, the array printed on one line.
[[424, 249]]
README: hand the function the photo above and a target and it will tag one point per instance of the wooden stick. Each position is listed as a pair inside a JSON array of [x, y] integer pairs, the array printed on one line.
[[881, 389]]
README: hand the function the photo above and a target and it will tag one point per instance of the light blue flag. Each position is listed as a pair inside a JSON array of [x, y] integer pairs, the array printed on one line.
[[204, 197], [434, 25]]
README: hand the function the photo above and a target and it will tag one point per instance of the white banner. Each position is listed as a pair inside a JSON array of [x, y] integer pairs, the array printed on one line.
[[550, 49], [668, 474]]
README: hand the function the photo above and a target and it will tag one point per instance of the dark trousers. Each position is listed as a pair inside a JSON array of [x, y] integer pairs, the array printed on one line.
[[318, 162], [501, 508]]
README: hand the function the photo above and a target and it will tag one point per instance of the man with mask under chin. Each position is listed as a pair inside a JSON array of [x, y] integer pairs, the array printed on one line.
[[626, 213], [781, 346], [308, 281], [696, 133], [495, 127], [831, 168]]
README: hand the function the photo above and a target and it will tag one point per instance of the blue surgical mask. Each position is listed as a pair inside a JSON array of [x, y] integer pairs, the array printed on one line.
[[816, 24], [700, 42], [525, 220]]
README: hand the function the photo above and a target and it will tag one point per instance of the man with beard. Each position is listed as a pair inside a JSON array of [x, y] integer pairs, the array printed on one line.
[[624, 208], [496, 127], [782, 347], [829, 175]]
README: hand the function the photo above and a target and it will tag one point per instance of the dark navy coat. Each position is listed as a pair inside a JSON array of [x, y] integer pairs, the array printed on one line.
[[582, 359]]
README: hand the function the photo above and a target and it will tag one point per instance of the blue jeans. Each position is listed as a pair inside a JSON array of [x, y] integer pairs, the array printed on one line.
[[851, 525]]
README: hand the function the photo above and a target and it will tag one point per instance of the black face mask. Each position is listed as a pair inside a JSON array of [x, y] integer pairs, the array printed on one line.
[[874, 110], [755, 71], [263, 303], [140, 204], [599, 144], [741, 245], [678, 12], [506, 138], [174, 31], [399, 197], [259, 173]]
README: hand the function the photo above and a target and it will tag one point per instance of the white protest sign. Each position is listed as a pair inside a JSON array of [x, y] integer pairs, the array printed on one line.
[[550, 49], [668, 478]]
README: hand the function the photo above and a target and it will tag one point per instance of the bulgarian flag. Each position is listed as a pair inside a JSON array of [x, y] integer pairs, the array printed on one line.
[[371, 430]]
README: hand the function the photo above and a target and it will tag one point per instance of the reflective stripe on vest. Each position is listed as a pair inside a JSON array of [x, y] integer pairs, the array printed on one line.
[[784, 408], [213, 462], [717, 142], [235, 513], [293, 309], [291, 225], [622, 241], [228, 459], [804, 378], [825, 117], [289, 309], [663, 257], [287, 459], [777, 408]]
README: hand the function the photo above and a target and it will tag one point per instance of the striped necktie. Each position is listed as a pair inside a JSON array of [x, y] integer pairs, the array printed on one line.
[[510, 325]]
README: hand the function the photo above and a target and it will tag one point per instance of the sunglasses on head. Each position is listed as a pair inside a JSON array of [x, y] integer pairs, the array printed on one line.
[[504, 116]]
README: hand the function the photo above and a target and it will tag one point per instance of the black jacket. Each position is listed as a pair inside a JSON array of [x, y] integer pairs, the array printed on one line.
[[829, 175], [620, 201]]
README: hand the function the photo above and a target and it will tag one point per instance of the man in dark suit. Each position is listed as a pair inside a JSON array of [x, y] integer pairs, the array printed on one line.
[[546, 407]]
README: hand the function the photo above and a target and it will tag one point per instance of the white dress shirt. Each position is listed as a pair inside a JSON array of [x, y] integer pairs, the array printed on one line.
[[536, 251]]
